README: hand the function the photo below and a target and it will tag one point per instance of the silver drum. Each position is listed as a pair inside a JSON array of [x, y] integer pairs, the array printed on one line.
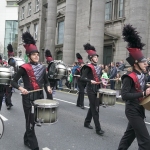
[[5, 75], [57, 70], [46, 111], [1, 127], [107, 97], [15, 62]]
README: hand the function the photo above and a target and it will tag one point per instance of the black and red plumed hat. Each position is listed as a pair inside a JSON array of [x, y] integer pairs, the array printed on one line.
[[90, 50], [79, 58], [48, 56], [29, 43], [10, 50], [135, 46]]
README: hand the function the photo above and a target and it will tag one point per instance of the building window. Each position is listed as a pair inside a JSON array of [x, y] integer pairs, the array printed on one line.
[[37, 5], [28, 29], [60, 38], [35, 31], [108, 10], [11, 34], [11, 3], [29, 9], [59, 55], [120, 8], [22, 13]]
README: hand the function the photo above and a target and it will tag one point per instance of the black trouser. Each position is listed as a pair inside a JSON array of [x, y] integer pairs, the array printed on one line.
[[80, 99], [93, 111], [136, 129], [1, 98], [2, 93], [8, 95], [29, 136], [112, 84]]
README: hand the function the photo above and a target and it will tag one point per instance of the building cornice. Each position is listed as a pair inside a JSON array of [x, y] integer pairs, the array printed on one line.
[[21, 1], [60, 1]]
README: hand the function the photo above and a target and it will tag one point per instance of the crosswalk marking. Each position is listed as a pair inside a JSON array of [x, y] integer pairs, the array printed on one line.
[[4, 119], [45, 148]]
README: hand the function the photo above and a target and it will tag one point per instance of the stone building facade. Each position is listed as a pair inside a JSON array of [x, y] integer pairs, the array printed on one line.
[[64, 26]]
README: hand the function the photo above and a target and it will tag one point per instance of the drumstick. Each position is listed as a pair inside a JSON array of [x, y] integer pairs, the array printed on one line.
[[77, 75], [33, 91]]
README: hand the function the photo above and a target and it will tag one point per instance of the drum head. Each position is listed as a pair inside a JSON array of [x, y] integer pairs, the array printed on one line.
[[45, 103], [1, 127], [107, 91]]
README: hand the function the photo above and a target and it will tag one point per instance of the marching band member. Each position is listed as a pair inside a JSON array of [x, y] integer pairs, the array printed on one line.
[[81, 84], [133, 91], [8, 88], [34, 76], [91, 75], [2, 87], [53, 82]]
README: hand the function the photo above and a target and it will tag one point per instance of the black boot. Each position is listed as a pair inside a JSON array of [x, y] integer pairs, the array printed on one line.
[[100, 132]]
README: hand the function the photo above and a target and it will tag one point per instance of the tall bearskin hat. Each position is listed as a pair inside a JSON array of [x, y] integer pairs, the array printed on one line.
[[79, 58], [1, 59], [10, 50], [135, 46], [48, 56], [90, 50], [29, 43]]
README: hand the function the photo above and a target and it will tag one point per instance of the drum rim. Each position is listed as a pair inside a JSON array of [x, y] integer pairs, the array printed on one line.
[[3, 127]]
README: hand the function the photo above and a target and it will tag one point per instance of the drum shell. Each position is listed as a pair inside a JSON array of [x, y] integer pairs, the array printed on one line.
[[5, 75], [146, 103], [46, 110], [57, 70], [107, 97], [1, 127]]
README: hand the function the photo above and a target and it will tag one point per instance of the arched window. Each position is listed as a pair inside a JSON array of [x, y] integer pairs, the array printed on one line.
[[59, 55]]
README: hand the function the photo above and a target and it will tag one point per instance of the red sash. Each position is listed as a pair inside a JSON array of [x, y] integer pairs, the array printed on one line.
[[30, 73], [136, 82], [96, 78]]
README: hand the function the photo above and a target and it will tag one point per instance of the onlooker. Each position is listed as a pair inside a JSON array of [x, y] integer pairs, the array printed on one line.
[[118, 85], [113, 73], [104, 79], [121, 65], [69, 80]]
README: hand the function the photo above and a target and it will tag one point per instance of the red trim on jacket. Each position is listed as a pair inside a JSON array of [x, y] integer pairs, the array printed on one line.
[[30, 73], [96, 78], [136, 82]]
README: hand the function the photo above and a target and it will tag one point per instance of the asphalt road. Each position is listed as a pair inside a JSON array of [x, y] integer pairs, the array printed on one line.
[[68, 133]]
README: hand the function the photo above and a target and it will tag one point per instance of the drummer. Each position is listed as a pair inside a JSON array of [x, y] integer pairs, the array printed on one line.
[[2, 88], [91, 75], [133, 91], [34, 76], [8, 88], [53, 82]]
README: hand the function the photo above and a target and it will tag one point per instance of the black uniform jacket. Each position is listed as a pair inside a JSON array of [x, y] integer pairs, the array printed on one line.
[[130, 96], [87, 76]]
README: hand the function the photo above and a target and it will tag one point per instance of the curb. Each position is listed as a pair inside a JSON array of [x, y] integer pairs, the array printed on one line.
[[76, 92]]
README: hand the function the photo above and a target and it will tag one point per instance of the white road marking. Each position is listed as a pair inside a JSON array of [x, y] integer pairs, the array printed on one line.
[[68, 102], [45, 148], [147, 122], [4, 119]]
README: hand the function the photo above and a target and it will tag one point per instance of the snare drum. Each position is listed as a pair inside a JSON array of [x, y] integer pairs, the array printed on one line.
[[107, 97], [5, 75], [46, 111], [146, 103], [1, 127]]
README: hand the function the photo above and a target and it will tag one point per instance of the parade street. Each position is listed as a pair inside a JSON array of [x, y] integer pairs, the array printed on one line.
[[68, 133]]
